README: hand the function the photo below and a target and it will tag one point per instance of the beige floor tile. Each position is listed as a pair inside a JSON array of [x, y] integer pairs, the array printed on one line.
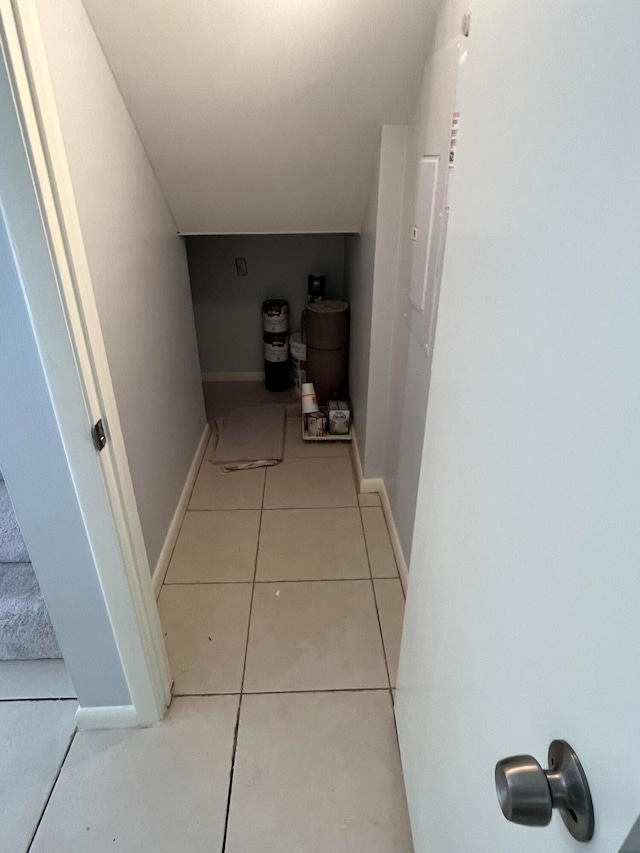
[[318, 772], [211, 445], [205, 629], [369, 499], [235, 490], [156, 790], [320, 635], [34, 737], [391, 609], [35, 679], [311, 544], [303, 483], [295, 447], [221, 398], [216, 546], [381, 559]]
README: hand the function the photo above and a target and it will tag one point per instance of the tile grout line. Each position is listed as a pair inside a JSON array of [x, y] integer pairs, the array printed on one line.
[[225, 509], [244, 669], [375, 600], [274, 508], [253, 582], [404, 597], [386, 527], [391, 688], [286, 692], [231, 772], [174, 695], [278, 580], [41, 699], [52, 789]]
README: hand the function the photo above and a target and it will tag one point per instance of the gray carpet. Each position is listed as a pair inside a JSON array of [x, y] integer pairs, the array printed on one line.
[[25, 628], [12, 547], [26, 632]]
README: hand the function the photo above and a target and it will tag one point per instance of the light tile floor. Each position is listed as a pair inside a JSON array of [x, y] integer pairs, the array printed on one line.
[[34, 739], [37, 722], [282, 612]]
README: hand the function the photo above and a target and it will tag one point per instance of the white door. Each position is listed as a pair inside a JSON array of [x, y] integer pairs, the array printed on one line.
[[523, 610]]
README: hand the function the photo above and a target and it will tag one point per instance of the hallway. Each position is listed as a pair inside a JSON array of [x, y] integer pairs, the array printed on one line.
[[282, 610]]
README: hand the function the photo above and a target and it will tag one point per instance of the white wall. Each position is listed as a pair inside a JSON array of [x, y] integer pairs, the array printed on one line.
[[385, 284], [138, 269], [371, 267], [410, 363], [228, 307], [360, 250], [390, 385]]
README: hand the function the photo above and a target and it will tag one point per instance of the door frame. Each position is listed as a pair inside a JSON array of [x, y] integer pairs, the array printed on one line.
[[140, 642]]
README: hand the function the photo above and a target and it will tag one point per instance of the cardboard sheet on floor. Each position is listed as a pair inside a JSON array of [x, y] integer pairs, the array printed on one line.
[[251, 437]]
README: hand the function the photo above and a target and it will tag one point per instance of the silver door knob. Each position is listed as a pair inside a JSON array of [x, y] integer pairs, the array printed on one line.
[[528, 794]]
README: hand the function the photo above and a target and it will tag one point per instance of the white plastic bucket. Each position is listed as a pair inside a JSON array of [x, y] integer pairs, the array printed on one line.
[[298, 351]]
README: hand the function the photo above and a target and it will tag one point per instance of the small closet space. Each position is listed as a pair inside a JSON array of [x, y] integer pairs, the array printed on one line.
[[254, 299]]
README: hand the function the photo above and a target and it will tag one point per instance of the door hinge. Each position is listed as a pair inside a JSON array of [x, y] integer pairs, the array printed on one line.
[[99, 436]]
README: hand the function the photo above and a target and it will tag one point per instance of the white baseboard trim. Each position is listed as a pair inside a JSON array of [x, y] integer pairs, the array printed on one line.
[[403, 570], [176, 522], [371, 485], [233, 376], [356, 461], [107, 717]]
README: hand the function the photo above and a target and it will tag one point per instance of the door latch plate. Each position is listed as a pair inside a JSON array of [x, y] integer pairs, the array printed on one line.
[[99, 436]]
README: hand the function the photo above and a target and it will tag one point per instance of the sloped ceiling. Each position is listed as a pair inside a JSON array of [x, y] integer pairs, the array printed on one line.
[[263, 116]]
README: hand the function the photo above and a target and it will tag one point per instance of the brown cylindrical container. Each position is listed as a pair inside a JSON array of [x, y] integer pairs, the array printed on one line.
[[328, 349]]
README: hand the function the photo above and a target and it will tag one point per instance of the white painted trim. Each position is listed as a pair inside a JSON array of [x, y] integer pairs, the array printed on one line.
[[164, 559], [109, 717], [269, 233], [356, 460], [372, 485], [376, 485], [365, 486], [403, 571], [233, 376], [128, 593]]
